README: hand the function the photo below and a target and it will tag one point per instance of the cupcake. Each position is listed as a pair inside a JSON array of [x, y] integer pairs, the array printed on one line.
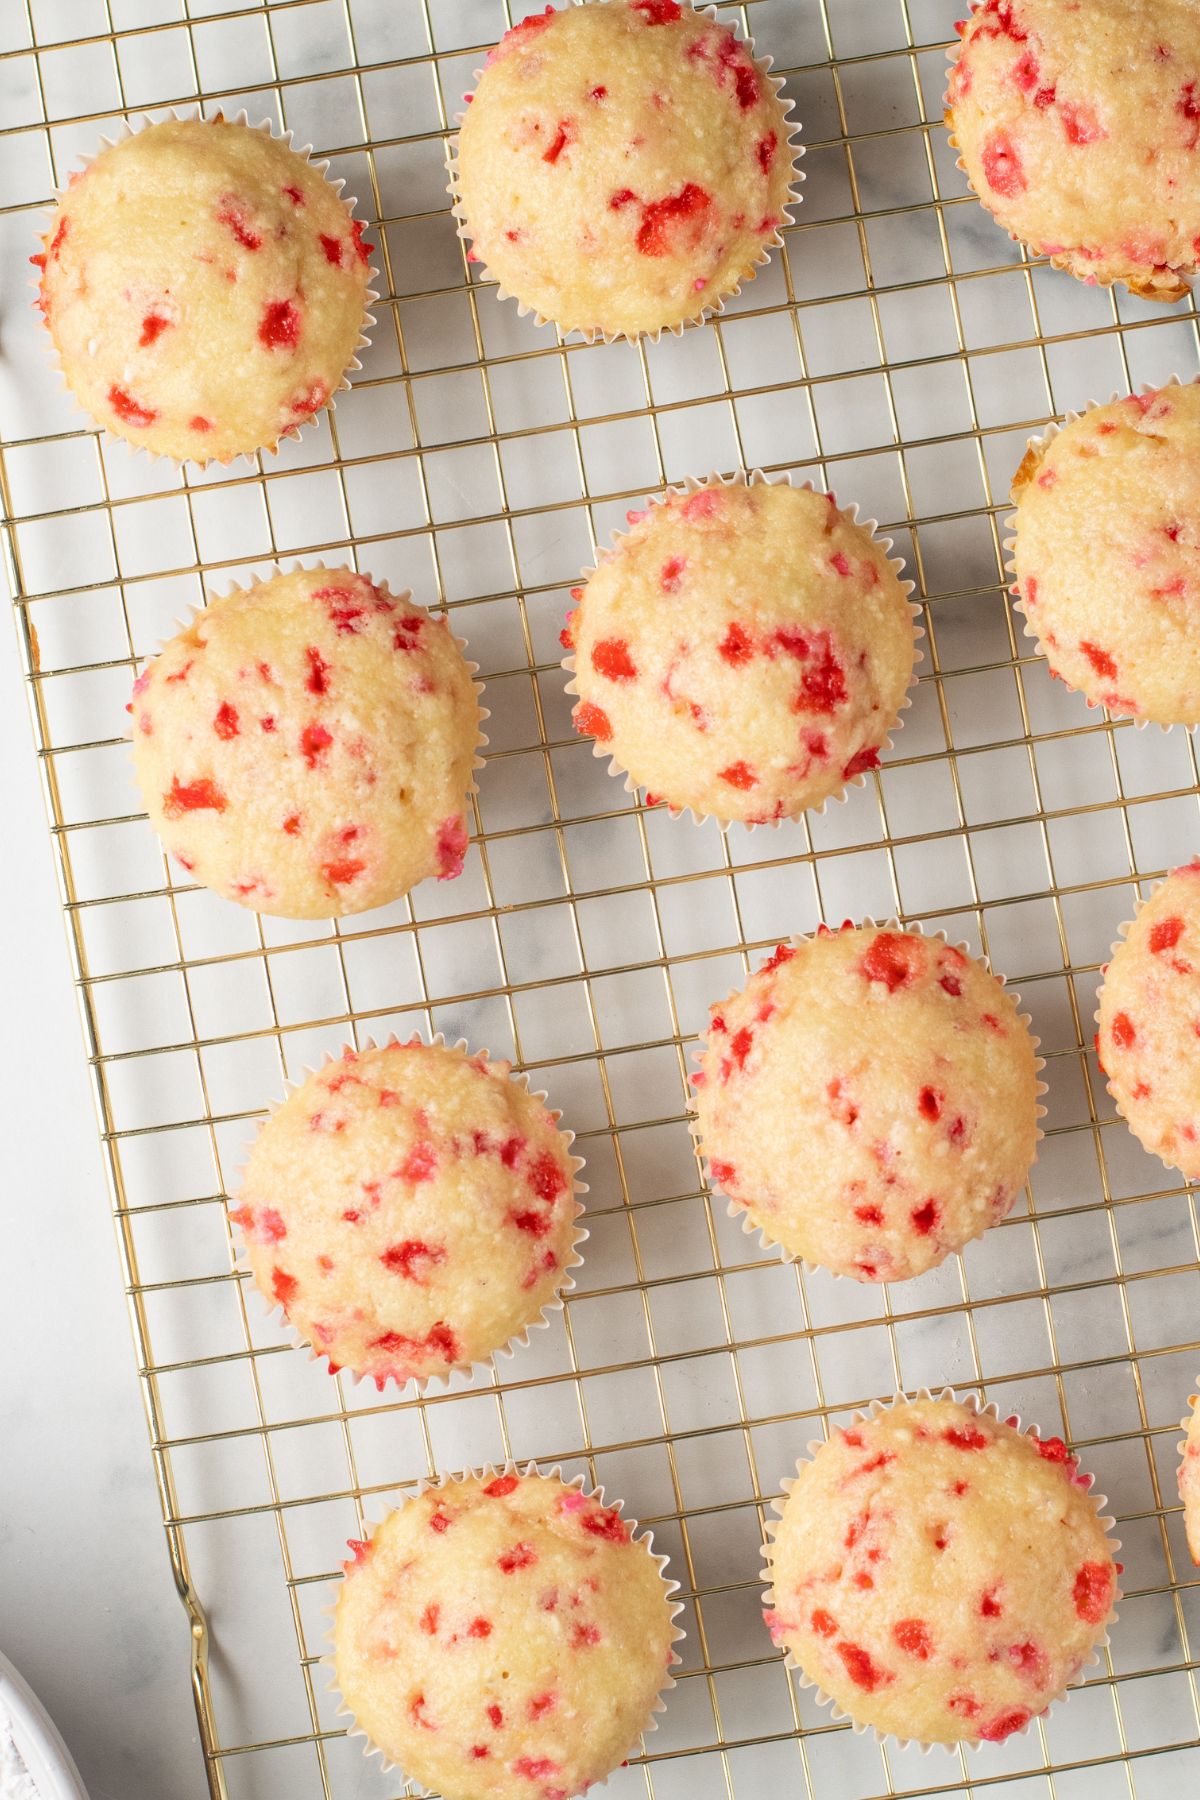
[[938, 1575], [306, 746], [205, 287], [1189, 1478], [869, 1101], [623, 166], [1149, 1022], [504, 1634], [744, 651], [411, 1209], [1107, 553], [1078, 128]]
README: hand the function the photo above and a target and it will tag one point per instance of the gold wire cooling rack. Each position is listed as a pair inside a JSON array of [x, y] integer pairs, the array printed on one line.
[[900, 350]]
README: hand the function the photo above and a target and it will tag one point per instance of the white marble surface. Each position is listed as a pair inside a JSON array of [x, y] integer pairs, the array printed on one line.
[[86, 1604], [88, 1610]]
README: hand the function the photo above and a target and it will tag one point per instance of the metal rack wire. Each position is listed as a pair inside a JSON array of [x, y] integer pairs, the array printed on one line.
[[899, 349]]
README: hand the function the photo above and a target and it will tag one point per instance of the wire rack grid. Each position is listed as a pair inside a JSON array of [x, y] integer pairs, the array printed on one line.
[[900, 350]]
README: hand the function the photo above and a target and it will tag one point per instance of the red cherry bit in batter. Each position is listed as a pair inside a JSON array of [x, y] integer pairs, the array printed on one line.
[[153, 326], [662, 219], [925, 1218], [1165, 934], [413, 1259], [966, 1437], [611, 658], [565, 134], [605, 1522], [130, 409], [283, 1286], [1002, 166], [1100, 660], [279, 327], [260, 1225], [235, 215], [1003, 1726], [894, 959], [521, 1556], [318, 671], [913, 1636], [1092, 1592], [592, 721], [537, 1768], [314, 741], [862, 1670], [419, 1165], [202, 795], [737, 646], [860, 762], [452, 842]]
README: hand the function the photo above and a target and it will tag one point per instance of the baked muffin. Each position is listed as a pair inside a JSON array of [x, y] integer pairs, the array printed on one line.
[[1107, 553], [306, 746], [504, 1634], [743, 651], [869, 1101], [411, 1209], [939, 1575], [1078, 128], [1189, 1478], [623, 165], [1149, 1021], [205, 287]]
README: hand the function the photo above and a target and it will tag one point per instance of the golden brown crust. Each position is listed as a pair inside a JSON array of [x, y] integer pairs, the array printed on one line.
[[1031, 462]]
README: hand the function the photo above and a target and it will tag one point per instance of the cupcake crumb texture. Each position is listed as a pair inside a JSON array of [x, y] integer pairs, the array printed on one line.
[[1149, 1019], [622, 166], [1107, 553], [743, 651], [869, 1100], [1189, 1481], [205, 288], [410, 1208], [939, 1575], [305, 747], [503, 1634], [1079, 128]]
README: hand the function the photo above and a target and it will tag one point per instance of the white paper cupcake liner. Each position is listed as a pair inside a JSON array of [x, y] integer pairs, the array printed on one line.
[[752, 478], [488, 1472], [1082, 1481], [1168, 291], [418, 1386], [293, 566], [370, 295], [592, 335], [1123, 931], [1185, 1425], [1036, 447], [738, 1209]]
